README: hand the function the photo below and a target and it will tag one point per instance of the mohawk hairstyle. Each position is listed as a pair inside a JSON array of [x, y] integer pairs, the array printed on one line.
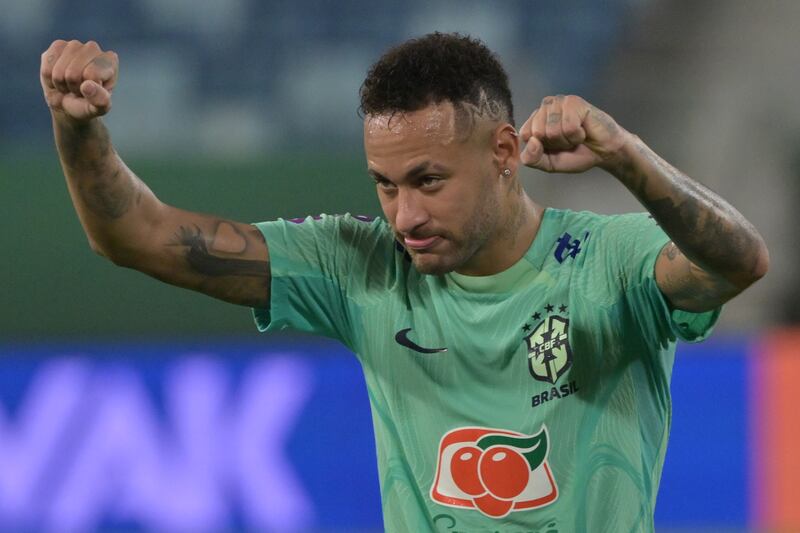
[[435, 68]]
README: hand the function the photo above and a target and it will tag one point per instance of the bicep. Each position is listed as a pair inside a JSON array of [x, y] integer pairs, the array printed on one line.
[[222, 258], [687, 286]]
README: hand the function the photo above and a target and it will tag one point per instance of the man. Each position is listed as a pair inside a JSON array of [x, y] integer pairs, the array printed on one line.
[[517, 358]]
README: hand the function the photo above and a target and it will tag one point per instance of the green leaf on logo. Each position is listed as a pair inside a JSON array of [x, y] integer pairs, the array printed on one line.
[[533, 448]]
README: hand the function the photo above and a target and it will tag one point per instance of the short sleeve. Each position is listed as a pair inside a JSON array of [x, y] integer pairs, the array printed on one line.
[[312, 261], [636, 242]]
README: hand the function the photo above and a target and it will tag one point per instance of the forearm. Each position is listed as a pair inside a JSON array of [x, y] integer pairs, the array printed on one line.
[[113, 205], [122, 218], [708, 230]]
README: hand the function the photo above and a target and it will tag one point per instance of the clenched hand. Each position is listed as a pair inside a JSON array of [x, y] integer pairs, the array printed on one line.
[[567, 134], [78, 78]]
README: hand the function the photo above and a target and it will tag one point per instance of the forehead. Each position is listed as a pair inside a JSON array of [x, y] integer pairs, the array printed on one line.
[[434, 125]]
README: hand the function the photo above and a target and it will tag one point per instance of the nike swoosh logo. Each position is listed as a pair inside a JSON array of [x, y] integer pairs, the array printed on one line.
[[402, 339]]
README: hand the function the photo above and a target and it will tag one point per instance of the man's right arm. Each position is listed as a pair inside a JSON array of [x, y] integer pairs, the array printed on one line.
[[123, 219]]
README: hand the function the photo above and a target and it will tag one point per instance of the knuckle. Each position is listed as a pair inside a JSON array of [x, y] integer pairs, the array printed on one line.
[[90, 73], [58, 43], [57, 74], [72, 75], [570, 100], [113, 59]]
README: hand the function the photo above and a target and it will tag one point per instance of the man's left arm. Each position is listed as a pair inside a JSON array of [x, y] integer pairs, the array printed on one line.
[[715, 252]]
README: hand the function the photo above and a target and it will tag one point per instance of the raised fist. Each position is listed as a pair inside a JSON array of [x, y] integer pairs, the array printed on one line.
[[567, 134], [77, 79]]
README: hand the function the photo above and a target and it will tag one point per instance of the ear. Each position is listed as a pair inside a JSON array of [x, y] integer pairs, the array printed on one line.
[[505, 149]]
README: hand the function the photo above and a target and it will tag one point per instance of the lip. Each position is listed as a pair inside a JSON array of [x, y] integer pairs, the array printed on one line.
[[420, 244]]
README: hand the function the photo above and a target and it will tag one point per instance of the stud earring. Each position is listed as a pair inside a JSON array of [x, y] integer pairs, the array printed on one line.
[[506, 172]]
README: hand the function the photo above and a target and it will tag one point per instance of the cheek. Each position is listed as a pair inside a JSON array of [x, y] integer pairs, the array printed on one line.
[[467, 203]]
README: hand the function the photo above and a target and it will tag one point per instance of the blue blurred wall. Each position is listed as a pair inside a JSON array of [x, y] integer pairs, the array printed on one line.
[[276, 435]]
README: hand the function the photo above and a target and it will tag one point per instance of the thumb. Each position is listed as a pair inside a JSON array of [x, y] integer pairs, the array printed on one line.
[[97, 97], [532, 153]]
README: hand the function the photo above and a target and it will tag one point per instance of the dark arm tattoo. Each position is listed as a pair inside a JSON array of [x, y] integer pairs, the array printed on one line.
[[706, 229], [223, 259], [220, 259], [110, 198], [103, 182], [688, 286], [202, 261]]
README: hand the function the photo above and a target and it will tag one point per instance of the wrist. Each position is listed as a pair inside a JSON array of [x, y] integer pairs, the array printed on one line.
[[63, 120], [620, 159]]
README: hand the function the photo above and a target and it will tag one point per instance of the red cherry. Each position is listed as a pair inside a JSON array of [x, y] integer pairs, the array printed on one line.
[[504, 471], [464, 469], [491, 506]]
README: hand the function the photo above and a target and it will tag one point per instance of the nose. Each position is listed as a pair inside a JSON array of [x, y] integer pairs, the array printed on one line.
[[411, 213]]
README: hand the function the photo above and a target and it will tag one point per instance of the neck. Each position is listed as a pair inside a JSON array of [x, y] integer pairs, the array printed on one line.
[[513, 238], [523, 226]]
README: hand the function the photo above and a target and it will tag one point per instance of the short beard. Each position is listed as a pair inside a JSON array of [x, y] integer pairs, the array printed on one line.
[[476, 234]]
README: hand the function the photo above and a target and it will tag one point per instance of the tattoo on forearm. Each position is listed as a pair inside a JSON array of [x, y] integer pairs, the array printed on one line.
[[609, 124], [109, 197], [708, 230], [211, 258], [688, 284], [84, 146], [105, 185]]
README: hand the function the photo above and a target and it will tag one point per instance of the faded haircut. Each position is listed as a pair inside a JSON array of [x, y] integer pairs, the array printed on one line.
[[437, 68]]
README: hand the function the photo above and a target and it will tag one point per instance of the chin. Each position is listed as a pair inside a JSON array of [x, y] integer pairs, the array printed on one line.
[[433, 266]]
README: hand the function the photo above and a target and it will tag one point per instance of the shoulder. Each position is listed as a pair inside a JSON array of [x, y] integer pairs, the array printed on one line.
[[328, 244], [344, 221], [609, 250], [605, 232], [325, 228], [570, 219]]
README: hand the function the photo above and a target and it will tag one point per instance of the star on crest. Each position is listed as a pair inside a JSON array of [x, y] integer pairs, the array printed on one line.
[[562, 309], [549, 308], [526, 328]]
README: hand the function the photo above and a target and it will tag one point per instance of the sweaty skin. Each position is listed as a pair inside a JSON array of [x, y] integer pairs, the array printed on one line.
[[443, 190], [438, 125], [121, 216], [447, 182], [715, 254]]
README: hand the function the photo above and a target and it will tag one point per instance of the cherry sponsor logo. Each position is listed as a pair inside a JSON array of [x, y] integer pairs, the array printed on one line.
[[495, 471]]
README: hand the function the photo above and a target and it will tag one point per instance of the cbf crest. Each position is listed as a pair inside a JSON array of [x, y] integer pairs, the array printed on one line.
[[549, 351]]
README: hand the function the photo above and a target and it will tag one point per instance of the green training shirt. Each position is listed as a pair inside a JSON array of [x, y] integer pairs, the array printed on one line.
[[533, 400]]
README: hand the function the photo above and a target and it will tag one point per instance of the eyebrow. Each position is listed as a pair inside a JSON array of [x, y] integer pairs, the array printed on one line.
[[421, 169]]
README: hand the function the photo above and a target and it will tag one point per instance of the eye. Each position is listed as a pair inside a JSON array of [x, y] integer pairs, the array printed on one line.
[[429, 182], [384, 184]]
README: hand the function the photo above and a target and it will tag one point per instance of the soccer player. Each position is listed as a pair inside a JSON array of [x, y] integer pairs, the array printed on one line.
[[517, 357]]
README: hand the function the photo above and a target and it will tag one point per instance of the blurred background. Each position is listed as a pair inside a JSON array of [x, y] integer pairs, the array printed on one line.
[[125, 404]]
